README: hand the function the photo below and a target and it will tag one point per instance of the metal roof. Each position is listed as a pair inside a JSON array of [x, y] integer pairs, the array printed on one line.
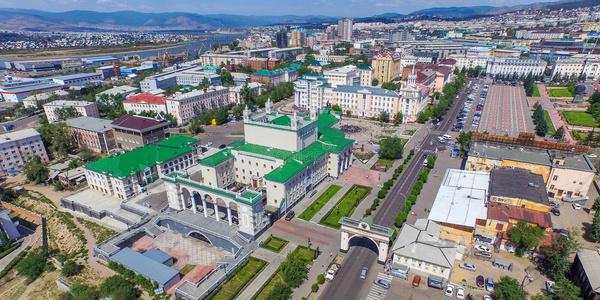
[[144, 265]]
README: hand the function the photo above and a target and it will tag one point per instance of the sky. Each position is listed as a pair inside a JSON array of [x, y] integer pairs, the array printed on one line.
[[338, 8]]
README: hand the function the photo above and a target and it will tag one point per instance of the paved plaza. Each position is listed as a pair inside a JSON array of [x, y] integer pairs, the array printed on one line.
[[506, 111]]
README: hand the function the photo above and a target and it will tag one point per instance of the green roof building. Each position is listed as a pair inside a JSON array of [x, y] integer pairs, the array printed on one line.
[[123, 176]]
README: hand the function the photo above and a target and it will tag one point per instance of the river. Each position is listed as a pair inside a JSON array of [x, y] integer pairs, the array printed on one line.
[[183, 47]]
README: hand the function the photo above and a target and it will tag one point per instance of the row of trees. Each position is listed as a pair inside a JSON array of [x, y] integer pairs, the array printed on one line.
[[541, 126], [529, 84], [445, 101], [594, 108]]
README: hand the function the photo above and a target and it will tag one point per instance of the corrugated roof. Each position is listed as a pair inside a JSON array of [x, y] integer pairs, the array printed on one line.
[[590, 260], [136, 123], [146, 266], [146, 98], [157, 255], [504, 213], [90, 123]]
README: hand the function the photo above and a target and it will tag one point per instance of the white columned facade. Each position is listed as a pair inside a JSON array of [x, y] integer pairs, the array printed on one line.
[[217, 211], [229, 215], [204, 206]]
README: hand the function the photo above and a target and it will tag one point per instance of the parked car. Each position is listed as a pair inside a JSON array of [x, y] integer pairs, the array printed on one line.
[[592, 155], [363, 272], [482, 248], [382, 283], [416, 280], [483, 255], [555, 211], [467, 266], [222, 146], [209, 144], [290, 215], [554, 204], [549, 285], [480, 281], [449, 291], [489, 284], [486, 297], [330, 275], [460, 293], [576, 206]]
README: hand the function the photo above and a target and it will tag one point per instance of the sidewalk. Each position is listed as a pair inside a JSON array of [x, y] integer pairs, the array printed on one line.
[[331, 203], [274, 260], [319, 266], [557, 121]]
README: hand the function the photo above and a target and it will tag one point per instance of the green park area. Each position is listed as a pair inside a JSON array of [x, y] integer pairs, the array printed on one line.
[[237, 281], [382, 165], [580, 118], [345, 206], [551, 129], [558, 93], [274, 244], [291, 273], [536, 91], [310, 211]]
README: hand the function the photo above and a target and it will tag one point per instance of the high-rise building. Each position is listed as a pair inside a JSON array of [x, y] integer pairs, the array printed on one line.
[[281, 38], [345, 29], [298, 37], [387, 66]]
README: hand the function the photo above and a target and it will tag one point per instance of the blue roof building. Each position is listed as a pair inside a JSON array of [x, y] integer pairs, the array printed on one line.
[[166, 277], [159, 256], [8, 226]]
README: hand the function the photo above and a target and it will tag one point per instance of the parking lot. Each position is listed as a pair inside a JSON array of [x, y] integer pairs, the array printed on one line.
[[470, 115], [506, 111]]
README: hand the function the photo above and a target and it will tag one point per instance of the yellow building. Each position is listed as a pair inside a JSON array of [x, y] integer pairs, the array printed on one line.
[[565, 169], [387, 66]]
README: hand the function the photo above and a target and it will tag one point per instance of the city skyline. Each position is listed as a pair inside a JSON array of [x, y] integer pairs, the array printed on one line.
[[336, 8]]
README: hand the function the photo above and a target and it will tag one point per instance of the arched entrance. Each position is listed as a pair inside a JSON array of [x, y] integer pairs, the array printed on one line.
[[187, 198], [365, 242], [199, 236], [221, 209], [197, 202], [364, 233], [233, 210]]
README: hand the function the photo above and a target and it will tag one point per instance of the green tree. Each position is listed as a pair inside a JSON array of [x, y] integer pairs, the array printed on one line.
[[594, 98], [336, 107], [595, 232], [558, 256], [205, 83], [57, 138], [391, 86], [398, 118], [70, 268], [508, 288], [540, 297], [248, 95], [456, 71], [222, 115], [349, 113], [81, 292], [196, 126], [464, 140], [34, 264], [566, 290], [293, 269], [36, 171], [560, 133], [238, 110], [118, 287], [596, 205], [525, 237], [384, 117], [280, 291], [226, 77], [374, 82], [391, 148]]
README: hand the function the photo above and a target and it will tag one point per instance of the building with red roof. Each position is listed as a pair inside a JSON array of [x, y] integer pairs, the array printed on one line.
[[146, 102]]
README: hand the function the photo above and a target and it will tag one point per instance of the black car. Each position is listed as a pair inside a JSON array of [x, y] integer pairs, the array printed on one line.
[[425, 155], [222, 146], [555, 211], [480, 281], [290, 215]]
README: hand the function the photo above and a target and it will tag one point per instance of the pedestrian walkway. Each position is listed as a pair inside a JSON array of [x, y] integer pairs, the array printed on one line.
[[331, 203], [557, 121], [274, 260], [377, 292]]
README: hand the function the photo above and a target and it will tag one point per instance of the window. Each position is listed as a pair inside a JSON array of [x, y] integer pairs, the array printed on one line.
[[552, 187], [555, 177]]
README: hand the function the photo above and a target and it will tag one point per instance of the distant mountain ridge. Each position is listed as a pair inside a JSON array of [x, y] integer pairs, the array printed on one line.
[[30, 19]]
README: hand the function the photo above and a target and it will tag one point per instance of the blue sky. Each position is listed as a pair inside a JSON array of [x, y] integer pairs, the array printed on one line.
[[351, 8]]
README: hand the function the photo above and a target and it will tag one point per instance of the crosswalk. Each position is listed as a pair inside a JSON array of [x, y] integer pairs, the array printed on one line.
[[377, 292]]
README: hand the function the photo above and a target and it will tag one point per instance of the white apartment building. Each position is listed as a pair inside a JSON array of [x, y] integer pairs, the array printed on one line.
[[19, 147], [190, 75], [83, 109], [216, 60], [185, 106], [366, 75], [578, 64], [33, 100], [146, 102], [235, 95], [312, 91], [17, 91], [510, 65], [123, 90], [327, 58], [347, 75], [538, 35], [475, 57]]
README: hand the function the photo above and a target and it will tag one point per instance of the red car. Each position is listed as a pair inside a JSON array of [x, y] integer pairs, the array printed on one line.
[[480, 281], [417, 281]]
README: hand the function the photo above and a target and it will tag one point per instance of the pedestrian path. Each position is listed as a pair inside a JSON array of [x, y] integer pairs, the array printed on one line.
[[377, 292]]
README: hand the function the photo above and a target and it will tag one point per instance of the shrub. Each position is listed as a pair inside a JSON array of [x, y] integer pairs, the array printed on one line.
[[320, 278], [373, 207], [400, 219], [412, 152], [381, 194], [314, 288], [368, 212], [376, 202], [395, 176], [412, 199], [70, 268]]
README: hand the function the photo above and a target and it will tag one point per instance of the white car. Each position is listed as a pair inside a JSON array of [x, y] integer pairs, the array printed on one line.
[[449, 291], [576, 206], [592, 155], [460, 293], [482, 248], [486, 297], [330, 275]]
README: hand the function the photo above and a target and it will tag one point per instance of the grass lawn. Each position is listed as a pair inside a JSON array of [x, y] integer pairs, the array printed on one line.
[[236, 282], [188, 268], [580, 118], [274, 244], [559, 93], [319, 203], [551, 129], [346, 205], [277, 277], [536, 91], [381, 163]]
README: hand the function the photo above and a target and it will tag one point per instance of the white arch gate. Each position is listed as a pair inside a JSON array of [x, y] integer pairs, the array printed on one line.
[[379, 235]]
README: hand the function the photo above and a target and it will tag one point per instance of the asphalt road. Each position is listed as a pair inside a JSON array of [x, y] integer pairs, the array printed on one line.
[[23, 122], [347, 284], [30, 237]]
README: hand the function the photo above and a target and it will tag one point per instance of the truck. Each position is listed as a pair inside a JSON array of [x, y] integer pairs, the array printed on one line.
[[332, 271]]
